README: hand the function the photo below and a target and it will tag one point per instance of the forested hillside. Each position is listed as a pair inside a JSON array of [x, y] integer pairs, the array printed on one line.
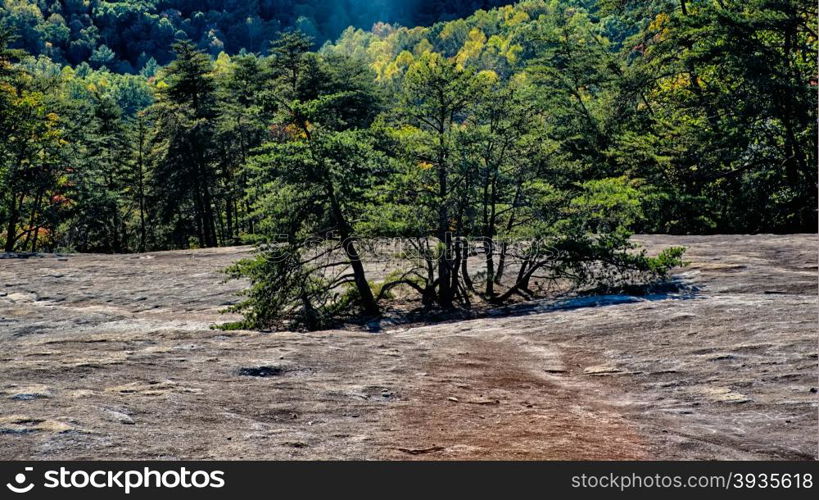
[[126, 35], [562, 124], [711, 104]]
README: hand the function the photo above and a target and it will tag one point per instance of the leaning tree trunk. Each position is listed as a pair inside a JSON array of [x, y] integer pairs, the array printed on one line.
[[368, 302]]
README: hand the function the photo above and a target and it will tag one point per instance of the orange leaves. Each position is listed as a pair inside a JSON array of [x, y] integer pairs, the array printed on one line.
[[60, 200], [289, 131]]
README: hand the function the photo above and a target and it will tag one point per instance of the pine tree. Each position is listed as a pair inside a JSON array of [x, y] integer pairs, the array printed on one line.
[[186, 114]]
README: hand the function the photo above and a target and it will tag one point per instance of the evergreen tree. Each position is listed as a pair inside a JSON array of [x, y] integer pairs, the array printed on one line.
[[309, 183], [436, 94], [185, 172]]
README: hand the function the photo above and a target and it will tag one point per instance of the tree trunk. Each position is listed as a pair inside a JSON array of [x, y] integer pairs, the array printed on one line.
[[367, 299], [141, 186], [14, 218], [368, 302], [32, 217], [445, 295], [509, 225], [229, 238]]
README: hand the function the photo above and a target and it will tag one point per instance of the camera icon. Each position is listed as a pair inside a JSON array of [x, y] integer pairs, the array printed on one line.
[[20, 479]]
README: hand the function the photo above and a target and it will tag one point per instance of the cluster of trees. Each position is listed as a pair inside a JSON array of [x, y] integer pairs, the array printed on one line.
[[712, 103], [128, 35], [462, 166], [510, 152]]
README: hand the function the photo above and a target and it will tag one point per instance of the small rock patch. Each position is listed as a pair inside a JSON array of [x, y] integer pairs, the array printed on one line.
[[261, 371]]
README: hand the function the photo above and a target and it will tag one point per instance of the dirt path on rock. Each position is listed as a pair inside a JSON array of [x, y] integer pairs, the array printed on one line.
[[493, 400]]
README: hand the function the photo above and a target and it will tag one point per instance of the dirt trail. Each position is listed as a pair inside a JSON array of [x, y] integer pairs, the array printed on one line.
[[113, 357], [495, 401]]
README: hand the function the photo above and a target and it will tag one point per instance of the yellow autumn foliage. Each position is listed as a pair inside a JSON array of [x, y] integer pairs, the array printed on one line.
[[474, 45]]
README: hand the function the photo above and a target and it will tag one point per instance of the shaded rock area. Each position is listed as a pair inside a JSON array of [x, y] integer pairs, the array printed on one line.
[[113, 357]]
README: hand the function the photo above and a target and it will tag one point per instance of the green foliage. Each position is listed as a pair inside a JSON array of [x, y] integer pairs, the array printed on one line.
[[606, 204], [282, 293]]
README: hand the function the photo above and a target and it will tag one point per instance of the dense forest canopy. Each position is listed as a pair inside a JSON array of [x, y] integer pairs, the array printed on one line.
[[125, 35], [558, 125]]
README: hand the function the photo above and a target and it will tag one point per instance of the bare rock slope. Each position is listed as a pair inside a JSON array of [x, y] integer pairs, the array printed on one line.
[[112, 357]]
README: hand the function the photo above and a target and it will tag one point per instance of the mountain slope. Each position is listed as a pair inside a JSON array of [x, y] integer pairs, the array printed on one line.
[[125, 35]]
